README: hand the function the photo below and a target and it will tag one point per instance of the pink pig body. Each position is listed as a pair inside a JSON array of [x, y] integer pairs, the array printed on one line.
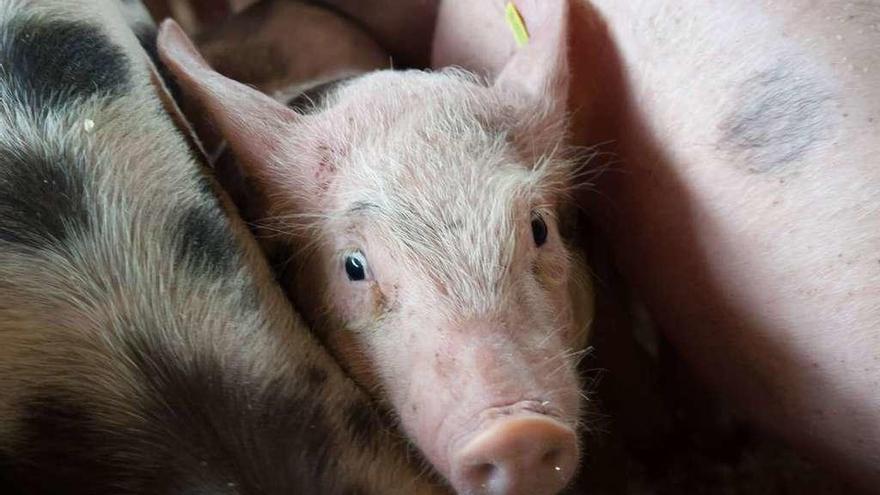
[[422, 215]]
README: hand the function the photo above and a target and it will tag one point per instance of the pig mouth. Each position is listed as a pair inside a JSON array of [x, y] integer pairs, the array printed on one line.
[[535, 406]]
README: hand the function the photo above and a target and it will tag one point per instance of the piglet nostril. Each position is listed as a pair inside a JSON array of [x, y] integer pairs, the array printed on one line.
[[551, 458], [530, 454], [481, 476], [483, 471]]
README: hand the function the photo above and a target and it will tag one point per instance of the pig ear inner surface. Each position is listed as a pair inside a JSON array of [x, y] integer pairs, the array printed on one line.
[[252, 123], [539, 69]]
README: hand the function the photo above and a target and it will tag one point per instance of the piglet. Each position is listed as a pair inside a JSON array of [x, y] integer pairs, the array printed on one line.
[[421, 222]]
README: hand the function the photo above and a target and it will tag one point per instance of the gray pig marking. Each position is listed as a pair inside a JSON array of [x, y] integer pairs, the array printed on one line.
[[781, 113], [42, 197], [54, 61], [206, 243]]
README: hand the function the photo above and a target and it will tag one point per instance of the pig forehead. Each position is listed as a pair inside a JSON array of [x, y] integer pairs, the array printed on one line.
[[463, 263], [429, 131], [390, 103], [458, 237], [457, 183], [431, 172], [438, 207]]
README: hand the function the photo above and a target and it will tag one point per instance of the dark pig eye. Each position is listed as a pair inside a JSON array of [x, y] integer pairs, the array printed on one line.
[[356, 266], [539, 230]]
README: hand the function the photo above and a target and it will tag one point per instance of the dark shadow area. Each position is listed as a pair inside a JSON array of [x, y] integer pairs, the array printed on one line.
[[658, 428]]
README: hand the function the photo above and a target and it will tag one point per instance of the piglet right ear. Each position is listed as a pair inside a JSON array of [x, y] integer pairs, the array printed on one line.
[[252, 123], [540, 68]]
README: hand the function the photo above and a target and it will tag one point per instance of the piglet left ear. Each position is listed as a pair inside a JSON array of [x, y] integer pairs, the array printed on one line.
[[539, 68], [252, 123]]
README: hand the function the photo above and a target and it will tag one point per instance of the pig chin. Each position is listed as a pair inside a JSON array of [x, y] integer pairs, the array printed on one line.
[[507, 439]]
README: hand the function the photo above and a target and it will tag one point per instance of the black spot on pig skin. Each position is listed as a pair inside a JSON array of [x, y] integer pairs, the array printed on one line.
[[315, 377], [197, 425], [7, 483], [264, 438], [364, 423], [147, 35], [57, 433], [205, 239], [51, 62], [42, 198]]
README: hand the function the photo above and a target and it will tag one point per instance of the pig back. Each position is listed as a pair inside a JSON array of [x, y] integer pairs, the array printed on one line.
[[144, 347]]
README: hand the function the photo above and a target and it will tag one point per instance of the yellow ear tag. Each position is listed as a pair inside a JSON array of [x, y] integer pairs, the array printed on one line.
[[517, 26]]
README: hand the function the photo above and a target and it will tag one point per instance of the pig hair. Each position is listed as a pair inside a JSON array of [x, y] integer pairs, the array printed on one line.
[[488, 155]]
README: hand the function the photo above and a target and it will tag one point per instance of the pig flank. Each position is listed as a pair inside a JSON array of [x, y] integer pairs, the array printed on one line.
[[464, 320], [144, 348]]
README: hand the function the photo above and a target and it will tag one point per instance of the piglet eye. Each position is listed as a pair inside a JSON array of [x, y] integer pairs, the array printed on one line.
[[356, 266], [539, 230]]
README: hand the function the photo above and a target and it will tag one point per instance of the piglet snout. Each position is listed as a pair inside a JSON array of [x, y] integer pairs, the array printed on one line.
[[518, 455]]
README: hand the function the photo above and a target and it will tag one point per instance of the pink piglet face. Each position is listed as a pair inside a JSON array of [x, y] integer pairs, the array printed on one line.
[[437, 269]]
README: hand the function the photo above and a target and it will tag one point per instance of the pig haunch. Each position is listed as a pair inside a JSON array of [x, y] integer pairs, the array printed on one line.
[[144, 348], [418, 221]]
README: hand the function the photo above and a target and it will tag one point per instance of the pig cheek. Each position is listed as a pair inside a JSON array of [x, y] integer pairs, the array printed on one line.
[[578, 299], [573, 333], [346, 298], [353, 327], [564, 298], [423, 386]]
